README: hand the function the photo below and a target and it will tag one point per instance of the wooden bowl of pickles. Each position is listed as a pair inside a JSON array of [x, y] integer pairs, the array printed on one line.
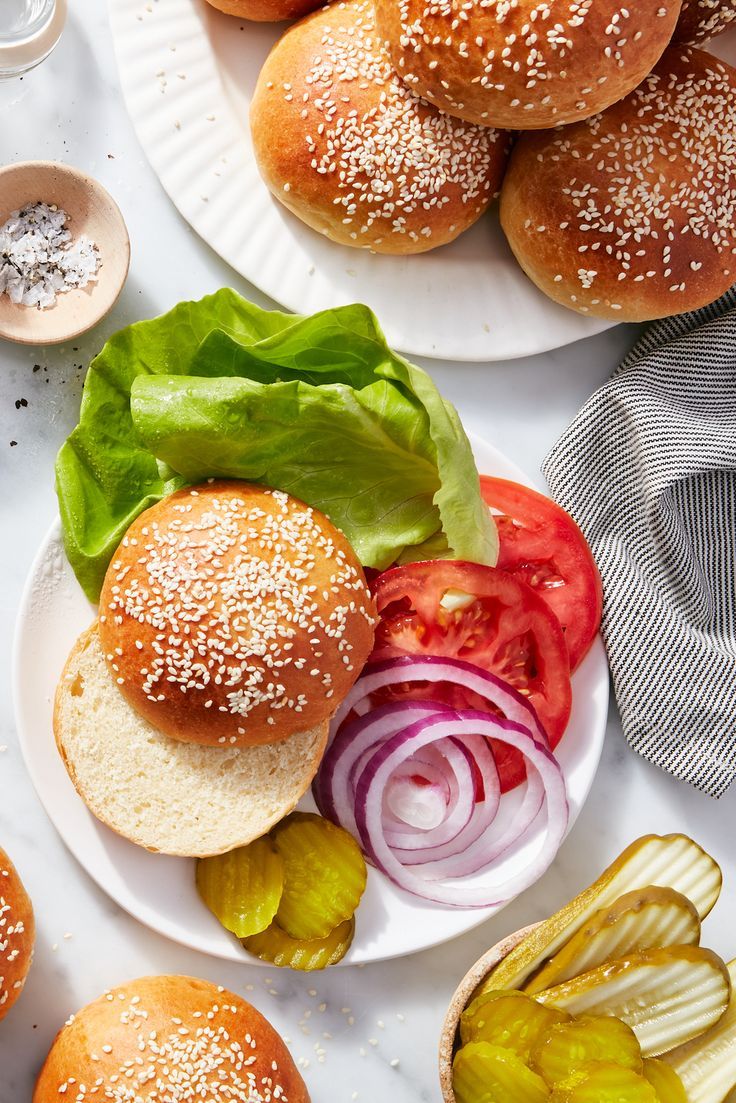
[[611, 1000]]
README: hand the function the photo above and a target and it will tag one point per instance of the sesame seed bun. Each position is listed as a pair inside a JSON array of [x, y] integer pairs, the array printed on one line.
[[525, 64], [630, 215], [169, 1039], [17, 934], [265, 11], [358, 157], [234, 615], [168, 796], [701, 20]]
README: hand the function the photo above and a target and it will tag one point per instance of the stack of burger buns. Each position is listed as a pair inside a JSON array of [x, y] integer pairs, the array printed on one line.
[[192, 716], [389, 125], [17, 934], [169, 1039]]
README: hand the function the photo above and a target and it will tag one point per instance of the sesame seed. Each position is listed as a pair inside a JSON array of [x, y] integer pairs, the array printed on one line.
[[506, 57], [205, 1061], [701, 20], [648, 187], [223, 604], [391, 157], [14, 948]]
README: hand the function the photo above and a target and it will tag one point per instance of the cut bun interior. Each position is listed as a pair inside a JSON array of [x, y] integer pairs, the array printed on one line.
[[165, 795]]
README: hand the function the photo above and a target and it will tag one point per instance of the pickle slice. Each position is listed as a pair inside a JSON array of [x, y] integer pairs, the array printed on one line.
[[707, 1065], [510, 1020], [606, 1084], [324, 875], [667, 995], [674, 861], [482, 1073], [243, 887], [569, 1048], [638, 920], [665, 1081], [275, 945]]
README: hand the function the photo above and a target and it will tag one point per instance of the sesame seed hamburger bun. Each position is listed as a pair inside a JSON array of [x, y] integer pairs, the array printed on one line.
[[266, 11], [169, 1039], [345, 145], [234, 615], [168, 796], [701, 20], [17, 934], [630, 215], [524, 64]]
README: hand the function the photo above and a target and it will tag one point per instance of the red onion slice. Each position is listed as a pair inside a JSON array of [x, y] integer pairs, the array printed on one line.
[[333, 788], [352, 750], [461, 823], [419, 806], [430, 668], [445, 862], [429, 730], [435, 847]]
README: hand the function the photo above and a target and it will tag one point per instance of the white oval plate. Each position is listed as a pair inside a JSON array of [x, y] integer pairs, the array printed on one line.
[[188, 74], [159, 890]]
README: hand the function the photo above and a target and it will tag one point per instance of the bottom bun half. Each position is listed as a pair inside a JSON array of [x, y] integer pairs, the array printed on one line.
[[176, 798]]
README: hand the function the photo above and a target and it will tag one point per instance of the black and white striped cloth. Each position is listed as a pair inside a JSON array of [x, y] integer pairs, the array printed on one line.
[[648, 470]]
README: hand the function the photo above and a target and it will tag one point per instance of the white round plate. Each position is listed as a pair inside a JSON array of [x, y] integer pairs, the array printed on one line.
[[188, 74], [159, 890]]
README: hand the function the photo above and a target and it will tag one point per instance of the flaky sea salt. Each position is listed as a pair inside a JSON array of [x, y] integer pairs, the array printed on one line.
[[38, 258]]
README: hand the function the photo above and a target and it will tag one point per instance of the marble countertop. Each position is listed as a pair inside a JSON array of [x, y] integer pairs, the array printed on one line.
[[358, 1033]]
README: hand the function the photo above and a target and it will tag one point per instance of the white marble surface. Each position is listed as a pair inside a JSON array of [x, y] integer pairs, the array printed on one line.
[[71, 110]]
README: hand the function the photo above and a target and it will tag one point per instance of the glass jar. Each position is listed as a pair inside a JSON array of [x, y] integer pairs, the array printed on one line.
[[29, 30]]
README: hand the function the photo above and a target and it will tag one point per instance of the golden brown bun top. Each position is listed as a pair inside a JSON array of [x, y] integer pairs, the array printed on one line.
[[169, 1039], [265, 11], [632, 214], [359, 157], [17, 933], [233, 614], [525, 64], [701, 20]]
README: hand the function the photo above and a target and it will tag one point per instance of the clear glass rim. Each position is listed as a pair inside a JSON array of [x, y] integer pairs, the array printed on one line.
[[38, 25]]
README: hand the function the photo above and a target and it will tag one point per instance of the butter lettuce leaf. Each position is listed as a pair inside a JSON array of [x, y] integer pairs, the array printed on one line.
[[318, 406]]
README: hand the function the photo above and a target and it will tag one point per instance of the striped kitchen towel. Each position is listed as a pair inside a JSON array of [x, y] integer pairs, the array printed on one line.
[[648, 470]]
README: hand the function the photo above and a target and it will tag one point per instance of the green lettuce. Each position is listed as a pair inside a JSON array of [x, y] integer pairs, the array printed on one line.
[[318, 406]]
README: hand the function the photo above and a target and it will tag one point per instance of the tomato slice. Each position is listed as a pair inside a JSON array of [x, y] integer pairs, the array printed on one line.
[[482, 616], [541, 545]]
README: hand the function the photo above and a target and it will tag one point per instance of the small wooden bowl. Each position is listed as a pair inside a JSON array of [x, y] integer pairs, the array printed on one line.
[[91, 212], [462, 997]]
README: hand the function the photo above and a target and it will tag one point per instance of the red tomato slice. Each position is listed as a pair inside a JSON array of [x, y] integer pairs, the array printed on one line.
[[502, 626], [541, 545]]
